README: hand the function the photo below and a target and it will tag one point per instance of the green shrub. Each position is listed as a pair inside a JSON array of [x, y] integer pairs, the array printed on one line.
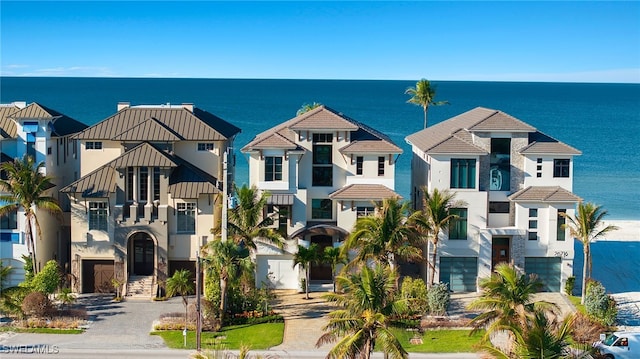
[[416, 291], [47, 280], [569, 285], [599, 305], [439, 297]]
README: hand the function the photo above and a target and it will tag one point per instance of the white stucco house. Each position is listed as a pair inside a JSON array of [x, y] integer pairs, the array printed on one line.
[[323, 170], [44, 134], [516, 182]]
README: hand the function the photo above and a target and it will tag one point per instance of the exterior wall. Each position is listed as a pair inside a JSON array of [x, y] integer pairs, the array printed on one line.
[[547, 179], [208, 161], [90, 160]]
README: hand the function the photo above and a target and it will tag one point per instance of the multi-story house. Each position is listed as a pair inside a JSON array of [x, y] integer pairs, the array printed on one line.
[[45, 135], [516, 183], [323, 170], [148, 196]]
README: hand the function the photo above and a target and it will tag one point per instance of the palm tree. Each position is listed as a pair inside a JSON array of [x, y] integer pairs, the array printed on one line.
[[368, 307], [304, 257], [247, 222], [228, 261], [435, 218], [385, 236], [423, 95], [181, 283], [25, 188], [507, 300], [334, 256], [586, 227], [307, 107]]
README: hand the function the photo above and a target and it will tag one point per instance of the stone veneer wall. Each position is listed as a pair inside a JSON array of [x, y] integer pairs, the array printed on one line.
[[517, 251], [483, 140], [518, 141]]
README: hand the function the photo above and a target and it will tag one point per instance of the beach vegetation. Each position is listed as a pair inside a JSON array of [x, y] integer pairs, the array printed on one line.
[[180, 283], [305, 257], [334, 256], [423, 95], [598, 305]]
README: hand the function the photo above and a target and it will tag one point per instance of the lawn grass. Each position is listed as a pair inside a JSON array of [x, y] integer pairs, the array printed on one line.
[[441, 341], [256, 337], [576, 303], [40, 330]]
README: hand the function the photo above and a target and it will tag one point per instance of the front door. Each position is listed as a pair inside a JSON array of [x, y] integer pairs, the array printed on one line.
[[499, 251], [321, 271], [143, 255]]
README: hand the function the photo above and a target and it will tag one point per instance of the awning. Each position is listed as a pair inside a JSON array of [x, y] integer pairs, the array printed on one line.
[[279, 199], [320, 229]]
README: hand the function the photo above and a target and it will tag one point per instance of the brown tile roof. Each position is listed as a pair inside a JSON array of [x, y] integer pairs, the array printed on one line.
[[144, 155], [276, 140], [500, 121], [544, 194], [363, 138], [198, 125], [539, 143], [364, 192], [61, 124], [7, 125]]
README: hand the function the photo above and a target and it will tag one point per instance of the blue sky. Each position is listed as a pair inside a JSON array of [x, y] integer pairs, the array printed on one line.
[[499, 41]]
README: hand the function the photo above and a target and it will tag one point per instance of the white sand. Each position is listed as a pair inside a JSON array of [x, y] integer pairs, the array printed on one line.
[[627, 231]]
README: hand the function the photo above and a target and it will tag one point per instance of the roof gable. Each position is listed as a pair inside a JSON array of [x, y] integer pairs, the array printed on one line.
[[539, 143], [149, 129], [323, 118], [144, 155], [544, 194], [8, 127], [364, 192]]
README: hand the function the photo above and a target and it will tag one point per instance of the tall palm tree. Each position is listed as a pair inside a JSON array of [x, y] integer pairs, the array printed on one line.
[[247, 222], [368, 307], [180, 283], [228, 261], [304, 257], [586, 227], [507, 300], [385, 236], [434, 218], [25, 188], [423, 95], [307, 107], [334, 256]]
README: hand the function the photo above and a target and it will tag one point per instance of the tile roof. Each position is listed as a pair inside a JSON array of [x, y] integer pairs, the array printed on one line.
[[198, 125], [544, 194], [364, 192], [7, 125], [500, 121], [61, 124], [539, 143], [363, 137]]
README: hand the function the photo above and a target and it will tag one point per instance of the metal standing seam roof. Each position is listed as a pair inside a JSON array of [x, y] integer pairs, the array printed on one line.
[[188, 181], [8, 127], [192, 126], [364, 192], [99, 183], [149, 129], [61, 124], [281, 199], [544, 194], [144, 155]]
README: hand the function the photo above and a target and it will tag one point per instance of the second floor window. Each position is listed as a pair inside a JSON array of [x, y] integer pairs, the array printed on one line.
[[93, 145], [321, 209], [458, 226], [533, 224], [380, 166], [463, 173], [364, 211], [186, 218], [9, 220], [359, 163], [322, 165], [272, 168], [561, 168], [98, 215], [207, 146]]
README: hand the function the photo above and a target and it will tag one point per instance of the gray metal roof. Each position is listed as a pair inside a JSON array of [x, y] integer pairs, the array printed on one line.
[[99, 183], [144, 155], [149, 129], [544, 194], [7, 125], [364, 192], [188, 181], [61, 124], [281, 199]]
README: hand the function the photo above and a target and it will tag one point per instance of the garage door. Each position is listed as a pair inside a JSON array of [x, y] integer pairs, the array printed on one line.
[[96, 276], [277, 271], [547, 269], [459, 272]]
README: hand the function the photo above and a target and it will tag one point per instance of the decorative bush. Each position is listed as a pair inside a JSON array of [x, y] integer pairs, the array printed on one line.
[[599, 305], [585, 330], [416, 291], [47, 280], [36, 304], [569, 285], [439, 297]]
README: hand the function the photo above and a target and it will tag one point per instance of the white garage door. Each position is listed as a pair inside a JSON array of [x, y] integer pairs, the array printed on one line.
[[277, 271]]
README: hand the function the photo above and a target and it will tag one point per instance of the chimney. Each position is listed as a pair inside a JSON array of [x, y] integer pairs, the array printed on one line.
[[123, 105], [19, 104], [188, 106]]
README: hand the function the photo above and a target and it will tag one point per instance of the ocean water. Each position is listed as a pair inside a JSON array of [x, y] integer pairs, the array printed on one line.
[[601, 120]]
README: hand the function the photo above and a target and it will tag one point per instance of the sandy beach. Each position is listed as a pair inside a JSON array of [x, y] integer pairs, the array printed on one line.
[[628, 230]]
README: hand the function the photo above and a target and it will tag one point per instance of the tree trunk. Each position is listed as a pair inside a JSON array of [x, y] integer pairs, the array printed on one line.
[[434, 257], [306, 283], [186, 308], [333, 276], [31, 243], [426, 109], [584, 271], [223, 298]]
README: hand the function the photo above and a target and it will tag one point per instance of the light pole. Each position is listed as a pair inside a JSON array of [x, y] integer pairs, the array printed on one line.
[[198, 314]]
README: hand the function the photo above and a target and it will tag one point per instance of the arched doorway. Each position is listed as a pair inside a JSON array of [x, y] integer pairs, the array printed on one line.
[[142, 260]]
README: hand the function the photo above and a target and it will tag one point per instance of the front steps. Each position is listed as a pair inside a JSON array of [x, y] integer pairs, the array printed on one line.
[[140, 287]]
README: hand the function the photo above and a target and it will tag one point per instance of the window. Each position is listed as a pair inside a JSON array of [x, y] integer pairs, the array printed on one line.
[[322, 165], [130, 181], [364, 211], [463, 173], [273, 168], [98, 215], [500, 164], [539, 167], [208, 146], [94, 145], [144, 184], [561, 221], [498, 207], [49, 150], [359, 163], [321, 209], [156, 183], [322, 137], [561, 168], [380, 166], [187, 217], [458, 226], [9, 220], [533, 224]]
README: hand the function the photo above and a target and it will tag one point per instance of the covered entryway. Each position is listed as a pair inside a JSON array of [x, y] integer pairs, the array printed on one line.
[[499, 251], [459, 272], [142, 258], [548, 270], [97, 276], [321, 271]]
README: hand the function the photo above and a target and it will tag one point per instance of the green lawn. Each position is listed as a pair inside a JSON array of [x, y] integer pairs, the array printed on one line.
[[576, 302], [256, 337], [441, 341], [41, 330]]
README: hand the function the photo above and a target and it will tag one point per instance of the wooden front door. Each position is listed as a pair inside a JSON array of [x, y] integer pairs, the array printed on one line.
[[499, 251], [143, 254]]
